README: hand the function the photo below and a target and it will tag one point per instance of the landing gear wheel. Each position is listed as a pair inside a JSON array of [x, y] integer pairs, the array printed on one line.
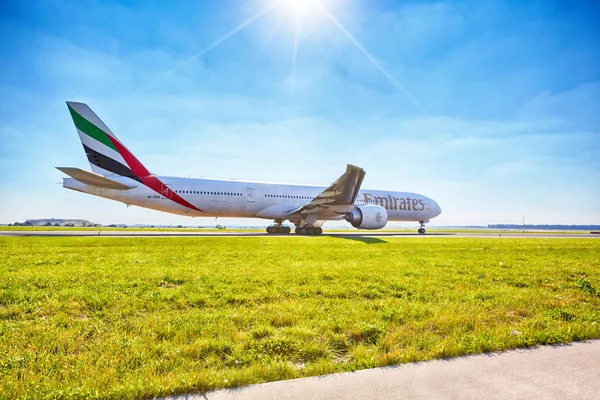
[[308, 231], [422, 231], [274, 229]]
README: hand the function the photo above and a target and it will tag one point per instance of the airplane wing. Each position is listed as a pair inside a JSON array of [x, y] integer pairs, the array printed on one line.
[[93, 179], [334, 201]]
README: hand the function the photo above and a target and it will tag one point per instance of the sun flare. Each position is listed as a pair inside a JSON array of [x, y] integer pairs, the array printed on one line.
[[300, 8]]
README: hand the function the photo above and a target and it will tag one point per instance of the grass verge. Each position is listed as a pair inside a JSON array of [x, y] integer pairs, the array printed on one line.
[[142, 317]]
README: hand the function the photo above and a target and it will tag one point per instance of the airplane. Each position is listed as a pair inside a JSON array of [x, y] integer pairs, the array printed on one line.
[[118, 175]]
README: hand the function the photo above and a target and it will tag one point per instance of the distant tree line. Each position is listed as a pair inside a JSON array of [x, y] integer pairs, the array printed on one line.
[[28, 223], [556, 227]]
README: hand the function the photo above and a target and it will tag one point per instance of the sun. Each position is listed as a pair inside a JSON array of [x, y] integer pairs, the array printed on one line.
[[300, 9]]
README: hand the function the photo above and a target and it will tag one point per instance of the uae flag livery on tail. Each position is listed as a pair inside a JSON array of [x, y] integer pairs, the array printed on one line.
[[109, 156], [99, 143]]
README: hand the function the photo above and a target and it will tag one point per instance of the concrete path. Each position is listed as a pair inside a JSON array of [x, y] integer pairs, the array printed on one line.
[[552, 372]]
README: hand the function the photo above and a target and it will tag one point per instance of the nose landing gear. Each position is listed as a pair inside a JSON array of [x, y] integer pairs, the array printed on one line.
[[422, 228]]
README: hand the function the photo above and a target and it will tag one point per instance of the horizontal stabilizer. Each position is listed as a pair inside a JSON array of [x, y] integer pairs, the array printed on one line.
[[93, 179]]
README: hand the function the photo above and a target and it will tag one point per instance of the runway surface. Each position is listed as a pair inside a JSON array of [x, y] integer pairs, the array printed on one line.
[[549, 372], [351, 234]]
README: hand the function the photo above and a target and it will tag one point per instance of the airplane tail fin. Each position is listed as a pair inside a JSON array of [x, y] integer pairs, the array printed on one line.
[[105, 152]]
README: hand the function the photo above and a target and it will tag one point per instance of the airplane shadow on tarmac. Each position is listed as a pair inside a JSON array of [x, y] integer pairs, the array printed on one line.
[[360, 238]]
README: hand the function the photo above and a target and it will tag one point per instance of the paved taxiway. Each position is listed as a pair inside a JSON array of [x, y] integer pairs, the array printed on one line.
[[350, 234], [550, 372]]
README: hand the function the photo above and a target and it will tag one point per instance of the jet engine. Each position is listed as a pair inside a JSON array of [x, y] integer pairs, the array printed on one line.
[[367, 217]]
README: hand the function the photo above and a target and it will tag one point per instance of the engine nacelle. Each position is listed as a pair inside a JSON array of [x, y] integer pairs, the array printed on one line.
[[367, 217]]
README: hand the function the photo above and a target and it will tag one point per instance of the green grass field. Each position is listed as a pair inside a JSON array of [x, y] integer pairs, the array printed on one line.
[[142, 317]]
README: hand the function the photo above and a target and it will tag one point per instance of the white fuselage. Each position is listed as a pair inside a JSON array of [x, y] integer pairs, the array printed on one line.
[[244, 199]]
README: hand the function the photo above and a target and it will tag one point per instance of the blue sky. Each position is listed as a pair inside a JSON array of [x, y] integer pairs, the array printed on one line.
[[490, 107]]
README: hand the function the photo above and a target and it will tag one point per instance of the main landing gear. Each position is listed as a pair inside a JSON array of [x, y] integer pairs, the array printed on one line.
[[279, 229], [308, 231], [304, 231], [422, 228]]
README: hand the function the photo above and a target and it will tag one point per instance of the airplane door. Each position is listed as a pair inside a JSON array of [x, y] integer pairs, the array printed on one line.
[[250, 196]]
